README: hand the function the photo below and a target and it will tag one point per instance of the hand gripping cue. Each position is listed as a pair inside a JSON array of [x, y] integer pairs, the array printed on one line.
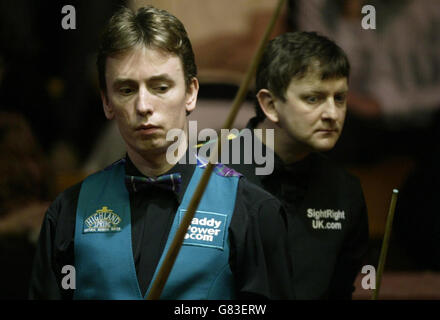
[[170, 258]]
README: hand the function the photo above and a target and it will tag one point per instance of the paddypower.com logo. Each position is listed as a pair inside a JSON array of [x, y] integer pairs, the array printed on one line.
[[207, 229]]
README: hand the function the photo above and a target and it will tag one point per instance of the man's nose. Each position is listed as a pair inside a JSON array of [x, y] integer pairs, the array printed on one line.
[[330, 111], [144, 103]]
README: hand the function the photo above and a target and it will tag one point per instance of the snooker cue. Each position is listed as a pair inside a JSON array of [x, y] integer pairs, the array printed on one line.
[[385, 243]]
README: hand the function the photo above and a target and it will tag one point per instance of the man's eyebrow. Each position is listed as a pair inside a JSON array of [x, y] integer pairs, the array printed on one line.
[[323, 91], [314, 91], [160, 77], [121, 81]]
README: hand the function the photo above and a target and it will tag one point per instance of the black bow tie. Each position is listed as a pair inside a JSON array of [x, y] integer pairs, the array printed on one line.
[[168, 181]]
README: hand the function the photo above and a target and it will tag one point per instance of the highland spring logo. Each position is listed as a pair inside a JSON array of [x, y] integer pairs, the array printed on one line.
[[252, 148]]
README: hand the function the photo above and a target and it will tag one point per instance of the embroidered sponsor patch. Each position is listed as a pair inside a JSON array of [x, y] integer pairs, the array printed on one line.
[[103, 220], [327, 219], [207, 229]]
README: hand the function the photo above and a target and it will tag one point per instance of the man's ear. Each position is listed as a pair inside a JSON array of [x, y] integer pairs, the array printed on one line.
[[108, 109], [267, 104], [191, 96]]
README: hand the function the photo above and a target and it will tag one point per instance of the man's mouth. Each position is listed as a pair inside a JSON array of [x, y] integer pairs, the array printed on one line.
[[147, 128], [328, 130]]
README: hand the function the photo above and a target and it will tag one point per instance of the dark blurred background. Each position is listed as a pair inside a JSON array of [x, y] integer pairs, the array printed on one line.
[[53, 131]]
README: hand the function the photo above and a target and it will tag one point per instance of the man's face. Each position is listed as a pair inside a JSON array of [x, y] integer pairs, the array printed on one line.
[[147, 96], [314, 111]]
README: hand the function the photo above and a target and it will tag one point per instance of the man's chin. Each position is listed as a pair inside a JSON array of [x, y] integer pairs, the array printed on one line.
[[324, 146], [152, 147]]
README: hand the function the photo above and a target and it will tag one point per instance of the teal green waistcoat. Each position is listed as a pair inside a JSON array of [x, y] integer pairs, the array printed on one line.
[[104, 261]]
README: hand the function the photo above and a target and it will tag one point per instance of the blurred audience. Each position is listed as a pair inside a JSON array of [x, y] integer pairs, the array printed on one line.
[[49, 74], [25, 192], [417, 219], [395, 72]]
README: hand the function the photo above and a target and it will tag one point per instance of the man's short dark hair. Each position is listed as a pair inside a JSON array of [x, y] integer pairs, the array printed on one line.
[[150, 27], [292, 55]]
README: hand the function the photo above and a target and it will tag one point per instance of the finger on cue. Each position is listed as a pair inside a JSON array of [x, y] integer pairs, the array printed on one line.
[[385, 243], [173, 251]]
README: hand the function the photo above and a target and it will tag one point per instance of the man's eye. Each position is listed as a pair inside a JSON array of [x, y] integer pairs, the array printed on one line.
[[311, 99], [340, 98], [126, 91], [161, 89]]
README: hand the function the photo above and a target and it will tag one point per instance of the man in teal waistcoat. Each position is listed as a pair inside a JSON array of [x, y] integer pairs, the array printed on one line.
[[112, 230]]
